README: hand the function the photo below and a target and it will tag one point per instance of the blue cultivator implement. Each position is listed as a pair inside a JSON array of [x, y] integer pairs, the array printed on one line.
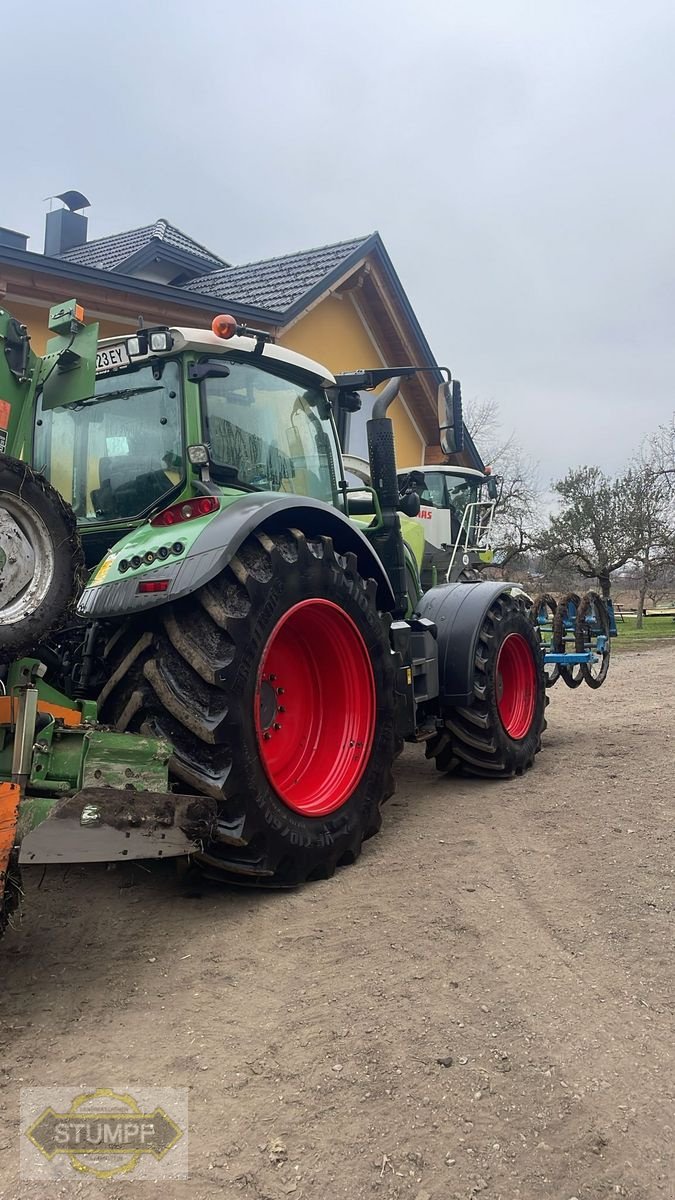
[[576, 637]]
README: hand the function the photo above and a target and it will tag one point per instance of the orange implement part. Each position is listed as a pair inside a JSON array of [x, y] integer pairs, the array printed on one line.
[[9, 709], [10, 795]]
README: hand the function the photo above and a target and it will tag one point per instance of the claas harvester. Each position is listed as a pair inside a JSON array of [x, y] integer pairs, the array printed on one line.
[[211, 645]]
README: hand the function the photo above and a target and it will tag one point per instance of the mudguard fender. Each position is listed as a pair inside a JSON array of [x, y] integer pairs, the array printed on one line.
[[458, 611], [218, 543]]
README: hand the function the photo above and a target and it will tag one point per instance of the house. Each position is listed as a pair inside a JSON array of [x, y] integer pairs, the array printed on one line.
[[341, 304]]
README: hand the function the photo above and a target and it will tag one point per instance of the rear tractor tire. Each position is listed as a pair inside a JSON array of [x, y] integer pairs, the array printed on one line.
[[499, 734], [275, 685]]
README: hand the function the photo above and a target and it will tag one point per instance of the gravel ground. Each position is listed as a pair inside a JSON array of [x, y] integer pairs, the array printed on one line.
[[482, 1006]]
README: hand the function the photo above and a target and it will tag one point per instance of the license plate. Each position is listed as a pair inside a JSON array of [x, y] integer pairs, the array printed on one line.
[[110, 357]]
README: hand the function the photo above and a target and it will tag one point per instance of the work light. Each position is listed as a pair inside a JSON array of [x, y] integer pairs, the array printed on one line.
[[160, 340]]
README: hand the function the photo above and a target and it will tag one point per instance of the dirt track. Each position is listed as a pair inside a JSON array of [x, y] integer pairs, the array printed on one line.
[[523, 931]]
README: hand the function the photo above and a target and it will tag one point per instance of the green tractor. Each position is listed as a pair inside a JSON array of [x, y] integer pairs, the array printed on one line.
[[252, 646]]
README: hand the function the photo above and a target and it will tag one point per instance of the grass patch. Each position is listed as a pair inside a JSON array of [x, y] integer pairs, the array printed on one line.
[[653, 629]]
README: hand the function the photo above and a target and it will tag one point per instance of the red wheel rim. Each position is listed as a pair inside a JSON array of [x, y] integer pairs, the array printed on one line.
[[516, 685], [315, 707]]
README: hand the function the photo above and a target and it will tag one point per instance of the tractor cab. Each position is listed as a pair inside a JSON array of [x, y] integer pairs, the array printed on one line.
[[178, 412]]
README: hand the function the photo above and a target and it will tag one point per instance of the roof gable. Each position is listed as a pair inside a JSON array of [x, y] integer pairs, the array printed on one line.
[[279, 283], [114, 252]]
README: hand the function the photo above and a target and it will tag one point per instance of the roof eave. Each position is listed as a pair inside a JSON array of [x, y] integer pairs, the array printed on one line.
[[165, 293]]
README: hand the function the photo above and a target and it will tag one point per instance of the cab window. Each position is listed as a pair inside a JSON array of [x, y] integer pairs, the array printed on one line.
[[118, 453], [274, 430], [433, 492]]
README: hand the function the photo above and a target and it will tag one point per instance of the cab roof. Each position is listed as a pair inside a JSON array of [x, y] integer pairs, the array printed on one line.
[[203, 341]]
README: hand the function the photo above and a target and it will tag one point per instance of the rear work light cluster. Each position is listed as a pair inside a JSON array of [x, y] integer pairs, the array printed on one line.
[[186, 510], [160, 553]]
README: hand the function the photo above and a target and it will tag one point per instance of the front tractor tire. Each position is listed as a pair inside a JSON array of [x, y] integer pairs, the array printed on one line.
[[499, 734], [275, 685]]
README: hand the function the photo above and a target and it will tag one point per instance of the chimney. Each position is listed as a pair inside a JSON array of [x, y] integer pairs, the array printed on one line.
[[12, 239], [66, 227]]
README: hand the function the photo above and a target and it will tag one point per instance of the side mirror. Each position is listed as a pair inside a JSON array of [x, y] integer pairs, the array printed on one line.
[[349, 400], [443, 407], [410, 504], [491, 484], [457, 416], [450, 417]]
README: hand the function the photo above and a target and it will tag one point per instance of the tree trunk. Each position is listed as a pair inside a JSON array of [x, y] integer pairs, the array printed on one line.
[[604, 582], [642, 592]]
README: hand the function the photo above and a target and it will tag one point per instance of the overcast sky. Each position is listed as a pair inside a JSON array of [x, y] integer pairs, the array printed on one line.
[[517, 158]]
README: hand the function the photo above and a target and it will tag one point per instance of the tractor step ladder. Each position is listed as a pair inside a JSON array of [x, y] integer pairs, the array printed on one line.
[[475, 532]]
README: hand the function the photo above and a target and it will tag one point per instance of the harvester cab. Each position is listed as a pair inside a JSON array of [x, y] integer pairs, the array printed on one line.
[[457, 508], [252, 645]]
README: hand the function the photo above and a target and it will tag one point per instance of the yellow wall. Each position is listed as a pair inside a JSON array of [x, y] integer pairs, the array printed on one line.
[[333, 333]]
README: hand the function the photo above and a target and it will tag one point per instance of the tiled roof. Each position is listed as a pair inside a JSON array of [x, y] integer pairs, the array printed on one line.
[[110, 252], [275, 283]]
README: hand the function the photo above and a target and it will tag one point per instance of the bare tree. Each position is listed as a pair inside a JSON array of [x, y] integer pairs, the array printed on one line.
[[661, 584], [659, 451], [653, 516], [517, 514], [594, 527]]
